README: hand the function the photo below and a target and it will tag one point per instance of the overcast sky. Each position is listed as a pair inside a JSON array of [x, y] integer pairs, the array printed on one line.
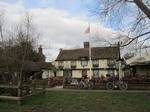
[[61, 22]]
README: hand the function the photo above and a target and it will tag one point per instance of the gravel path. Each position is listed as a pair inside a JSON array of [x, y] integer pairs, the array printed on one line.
[[103, 91]]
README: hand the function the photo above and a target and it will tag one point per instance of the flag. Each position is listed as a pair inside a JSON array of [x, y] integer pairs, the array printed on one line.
[[87, 30]]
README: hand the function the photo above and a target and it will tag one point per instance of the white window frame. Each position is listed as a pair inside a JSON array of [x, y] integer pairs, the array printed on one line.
[[73, 63], [95, 62], [95, 73], [111, 72], [111, 62], [60, 63], [84, 61]]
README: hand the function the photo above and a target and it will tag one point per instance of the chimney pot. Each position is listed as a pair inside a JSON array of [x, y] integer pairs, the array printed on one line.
[[60, 49], [86, 44]]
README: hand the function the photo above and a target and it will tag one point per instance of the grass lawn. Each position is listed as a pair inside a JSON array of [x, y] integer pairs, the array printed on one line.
[[81, 102]]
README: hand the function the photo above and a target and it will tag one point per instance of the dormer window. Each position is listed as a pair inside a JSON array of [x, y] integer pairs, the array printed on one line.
[[111, 62], [95, 63], [60, 64], [73, 64], [84, 61]]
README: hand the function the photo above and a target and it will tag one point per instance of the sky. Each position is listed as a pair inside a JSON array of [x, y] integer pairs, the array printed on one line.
[[61, 23]]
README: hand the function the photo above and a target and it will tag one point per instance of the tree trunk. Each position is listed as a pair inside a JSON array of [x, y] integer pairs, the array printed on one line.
[[143, 7]]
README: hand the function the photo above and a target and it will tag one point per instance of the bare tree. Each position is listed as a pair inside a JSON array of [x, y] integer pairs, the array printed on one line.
[[132, 16], [25, 38], [16, 50], [142, 6], [18, 46], [3, 43]]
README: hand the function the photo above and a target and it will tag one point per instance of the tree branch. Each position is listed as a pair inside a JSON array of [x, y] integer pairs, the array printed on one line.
[[143, 7], [136, 38], [131, 1]]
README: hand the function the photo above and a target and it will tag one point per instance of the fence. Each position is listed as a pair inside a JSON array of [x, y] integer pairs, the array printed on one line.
[[19, 93]]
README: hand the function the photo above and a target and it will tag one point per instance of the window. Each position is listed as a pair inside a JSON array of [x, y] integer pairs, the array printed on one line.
[[60, 64], [95, 73], [67, 73], [95, 63], [84, 73], [84, 61], [111, 72], [73, 64], [111, 62]]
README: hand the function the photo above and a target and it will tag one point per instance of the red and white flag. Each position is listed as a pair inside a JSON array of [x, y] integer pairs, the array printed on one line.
[[87, 30]]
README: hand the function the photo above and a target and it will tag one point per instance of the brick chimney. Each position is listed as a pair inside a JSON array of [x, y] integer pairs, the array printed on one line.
[[41, 55], [86, 44], [40, 50]]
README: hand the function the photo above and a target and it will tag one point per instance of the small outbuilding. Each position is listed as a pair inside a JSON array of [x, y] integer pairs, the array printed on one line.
[[140, 65]]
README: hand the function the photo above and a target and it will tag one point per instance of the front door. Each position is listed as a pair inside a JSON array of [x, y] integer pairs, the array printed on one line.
[[67, 73], [84, 73]]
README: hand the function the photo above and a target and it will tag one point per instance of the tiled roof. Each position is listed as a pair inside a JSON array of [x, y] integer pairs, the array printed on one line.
[[37, 66], [97, 53]]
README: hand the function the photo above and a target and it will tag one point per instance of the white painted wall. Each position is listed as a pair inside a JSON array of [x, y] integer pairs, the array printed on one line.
[[78, 73], [47, 74], [59, 73]]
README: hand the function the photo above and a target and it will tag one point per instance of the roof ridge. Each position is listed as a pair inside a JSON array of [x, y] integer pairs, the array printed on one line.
[[88, 48]]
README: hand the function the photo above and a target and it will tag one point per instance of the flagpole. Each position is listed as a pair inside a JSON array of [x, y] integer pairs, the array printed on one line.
[[87, 31], [90, 54]]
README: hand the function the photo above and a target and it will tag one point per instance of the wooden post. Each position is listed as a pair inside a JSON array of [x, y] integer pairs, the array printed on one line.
[[44, 84], [19, 93], [33, 85], [19, 90]]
